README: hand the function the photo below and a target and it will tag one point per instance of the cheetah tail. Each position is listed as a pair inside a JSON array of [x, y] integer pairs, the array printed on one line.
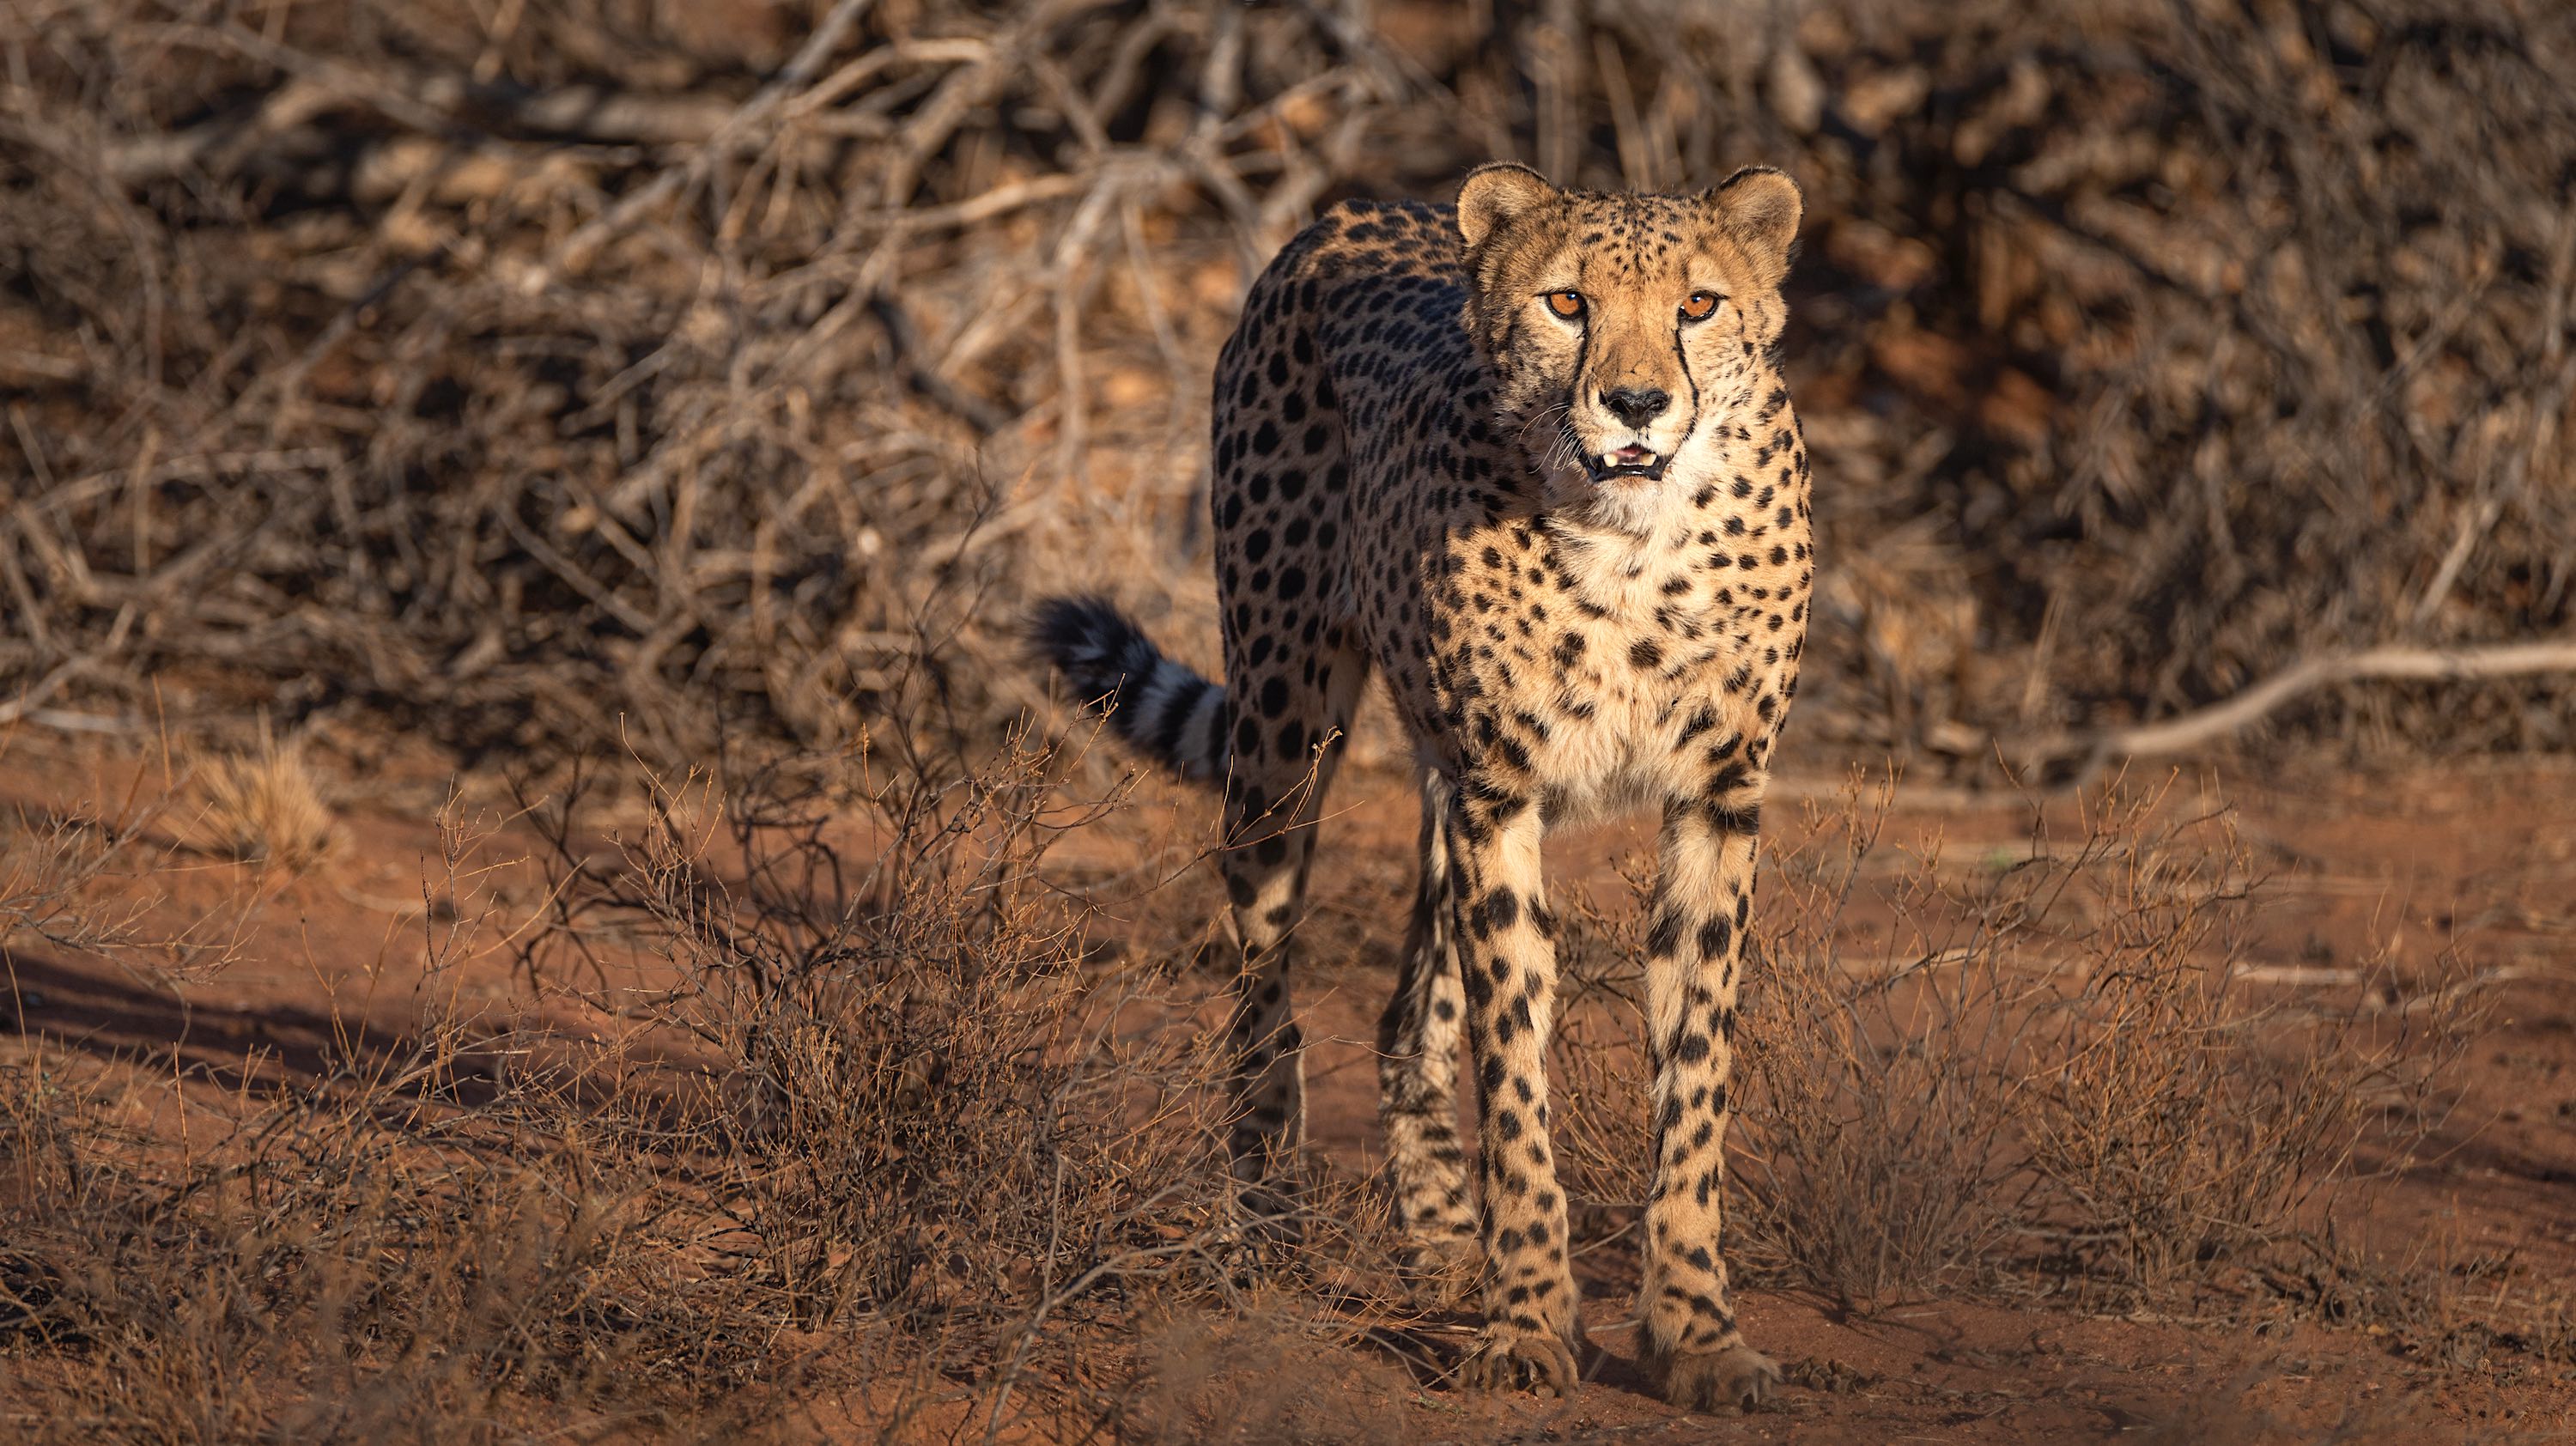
[[1161, 707]]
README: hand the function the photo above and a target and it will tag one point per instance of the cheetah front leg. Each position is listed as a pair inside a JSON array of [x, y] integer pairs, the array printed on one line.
[[1507, 960], [1694, 957]]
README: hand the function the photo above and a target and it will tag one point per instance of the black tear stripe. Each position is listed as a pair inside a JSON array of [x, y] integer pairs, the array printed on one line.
[[1681, 355], [1582, 369]]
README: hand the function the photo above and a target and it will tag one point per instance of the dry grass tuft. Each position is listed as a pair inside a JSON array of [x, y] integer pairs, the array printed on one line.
[[266, 807]]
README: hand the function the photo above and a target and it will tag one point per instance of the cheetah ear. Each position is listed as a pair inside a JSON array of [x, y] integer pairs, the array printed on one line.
[[1761, 209], [1495, 194]]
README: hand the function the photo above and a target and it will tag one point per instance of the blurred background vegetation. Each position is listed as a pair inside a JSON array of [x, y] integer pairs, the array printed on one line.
[[545, 375]]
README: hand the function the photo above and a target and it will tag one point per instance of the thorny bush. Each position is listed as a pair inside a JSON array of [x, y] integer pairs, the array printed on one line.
[[931, 1106]]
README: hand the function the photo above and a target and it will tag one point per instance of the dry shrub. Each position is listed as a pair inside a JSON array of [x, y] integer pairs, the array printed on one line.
[[51, 866], [2438, 1300], [919, 1101], [353, 1264], [77, 879], [395, 1245], [2042, 1062], [1878, 1126]]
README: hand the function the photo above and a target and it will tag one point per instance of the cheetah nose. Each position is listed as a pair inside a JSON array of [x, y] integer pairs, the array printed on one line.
[[1637, 406]]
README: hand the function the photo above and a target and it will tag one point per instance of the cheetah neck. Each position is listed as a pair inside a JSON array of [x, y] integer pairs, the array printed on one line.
[[1611, 568], [1624, 549]]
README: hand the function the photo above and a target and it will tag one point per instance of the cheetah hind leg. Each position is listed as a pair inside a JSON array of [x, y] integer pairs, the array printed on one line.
[[1273, 799], [1418, 1039]]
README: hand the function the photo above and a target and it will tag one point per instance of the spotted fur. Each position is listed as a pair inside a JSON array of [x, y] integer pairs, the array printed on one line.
[[1531, 461]]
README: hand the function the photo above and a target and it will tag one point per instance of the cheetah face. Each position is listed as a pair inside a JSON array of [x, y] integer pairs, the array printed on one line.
[[1624, 329]]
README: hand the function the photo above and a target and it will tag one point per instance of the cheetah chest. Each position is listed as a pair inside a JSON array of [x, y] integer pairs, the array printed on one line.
[[1627, 669]]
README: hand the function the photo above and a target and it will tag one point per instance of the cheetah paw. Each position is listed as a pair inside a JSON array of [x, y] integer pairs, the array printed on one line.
[[1738, 1376], [1509, 1362]]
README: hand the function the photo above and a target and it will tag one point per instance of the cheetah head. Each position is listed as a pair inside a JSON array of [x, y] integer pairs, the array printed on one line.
[[1625, 329]]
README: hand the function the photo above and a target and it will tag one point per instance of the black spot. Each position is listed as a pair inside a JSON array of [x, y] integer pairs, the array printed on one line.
[[1645, 653], [1714, 936], [1735, 820], [1665, 938]]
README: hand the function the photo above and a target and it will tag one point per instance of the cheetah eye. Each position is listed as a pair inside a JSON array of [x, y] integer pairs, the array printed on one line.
[[1701, 306], [1567, 304]]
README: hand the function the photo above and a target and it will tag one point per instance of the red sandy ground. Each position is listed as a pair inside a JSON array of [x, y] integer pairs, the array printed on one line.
[[2481, 858]]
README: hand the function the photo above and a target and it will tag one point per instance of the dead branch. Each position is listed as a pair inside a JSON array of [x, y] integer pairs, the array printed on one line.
[[2203, 726]]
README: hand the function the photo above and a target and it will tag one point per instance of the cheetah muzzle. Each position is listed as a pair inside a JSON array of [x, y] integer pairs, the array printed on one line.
[[1530, 460]]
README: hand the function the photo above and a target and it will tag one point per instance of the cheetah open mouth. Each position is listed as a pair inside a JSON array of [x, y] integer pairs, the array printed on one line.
[[1628, 461]]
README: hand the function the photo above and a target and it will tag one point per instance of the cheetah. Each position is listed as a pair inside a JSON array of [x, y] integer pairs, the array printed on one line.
[[1530, 459]]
